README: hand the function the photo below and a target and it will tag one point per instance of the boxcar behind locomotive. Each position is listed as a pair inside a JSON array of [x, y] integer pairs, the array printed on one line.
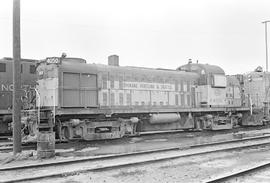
[[95, 101]]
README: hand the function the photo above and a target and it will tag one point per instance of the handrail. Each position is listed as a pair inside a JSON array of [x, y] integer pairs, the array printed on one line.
[[54, 106], [251, 105], [38, 95]]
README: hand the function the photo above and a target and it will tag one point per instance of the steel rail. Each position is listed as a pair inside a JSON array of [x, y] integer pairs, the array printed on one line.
[[240, 173], [24, 147]]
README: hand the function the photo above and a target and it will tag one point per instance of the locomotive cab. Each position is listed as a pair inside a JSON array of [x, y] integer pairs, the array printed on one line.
[[211, 92], [211, 88]]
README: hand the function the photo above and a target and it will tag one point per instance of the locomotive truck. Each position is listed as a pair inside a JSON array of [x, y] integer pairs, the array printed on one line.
[[96, 101]]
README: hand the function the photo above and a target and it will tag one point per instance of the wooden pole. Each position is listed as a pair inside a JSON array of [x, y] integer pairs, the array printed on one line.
[[266, 58], [266, 45], [16, 107]]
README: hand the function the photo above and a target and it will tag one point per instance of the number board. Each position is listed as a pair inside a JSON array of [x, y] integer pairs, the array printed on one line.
[[53, 60]]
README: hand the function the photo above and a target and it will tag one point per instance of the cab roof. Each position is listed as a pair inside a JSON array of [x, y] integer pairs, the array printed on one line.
[[199, 68]]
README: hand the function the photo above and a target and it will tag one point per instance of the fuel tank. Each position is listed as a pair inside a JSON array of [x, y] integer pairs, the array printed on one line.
[[164, 118]]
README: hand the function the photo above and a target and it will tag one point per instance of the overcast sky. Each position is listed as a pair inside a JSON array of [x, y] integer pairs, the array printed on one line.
[[148, 33]]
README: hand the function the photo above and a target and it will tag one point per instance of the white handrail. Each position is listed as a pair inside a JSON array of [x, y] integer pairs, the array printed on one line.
[[251, 108], [38, 95], [54, 106]]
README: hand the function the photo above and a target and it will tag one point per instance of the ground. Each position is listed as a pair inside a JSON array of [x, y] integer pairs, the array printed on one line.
[[195, 169]]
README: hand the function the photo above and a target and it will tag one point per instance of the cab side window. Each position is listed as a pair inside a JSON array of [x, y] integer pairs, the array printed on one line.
[[2, 67], [32, 69]]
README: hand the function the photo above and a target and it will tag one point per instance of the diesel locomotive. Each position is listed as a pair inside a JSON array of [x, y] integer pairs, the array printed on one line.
[[96, 101], [28, 80]]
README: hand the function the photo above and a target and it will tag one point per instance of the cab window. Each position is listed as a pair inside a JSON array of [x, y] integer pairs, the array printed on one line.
[[2, 67], [32, 69]]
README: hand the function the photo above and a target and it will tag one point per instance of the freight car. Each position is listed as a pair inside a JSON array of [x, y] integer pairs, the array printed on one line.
[[95, 101], [28, 77]]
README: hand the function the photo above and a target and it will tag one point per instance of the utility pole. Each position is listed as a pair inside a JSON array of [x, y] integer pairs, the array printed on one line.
[[266, 45], [16, 107]]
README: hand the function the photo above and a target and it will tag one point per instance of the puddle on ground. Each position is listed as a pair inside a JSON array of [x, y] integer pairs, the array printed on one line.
[[190, 135], [135, 144], [156, 140], [64, 150], [135, 139], [87, 149]]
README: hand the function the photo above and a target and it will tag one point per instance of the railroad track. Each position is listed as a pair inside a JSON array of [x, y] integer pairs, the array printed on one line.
[[56, 168], [9, 146], [241, 173]]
